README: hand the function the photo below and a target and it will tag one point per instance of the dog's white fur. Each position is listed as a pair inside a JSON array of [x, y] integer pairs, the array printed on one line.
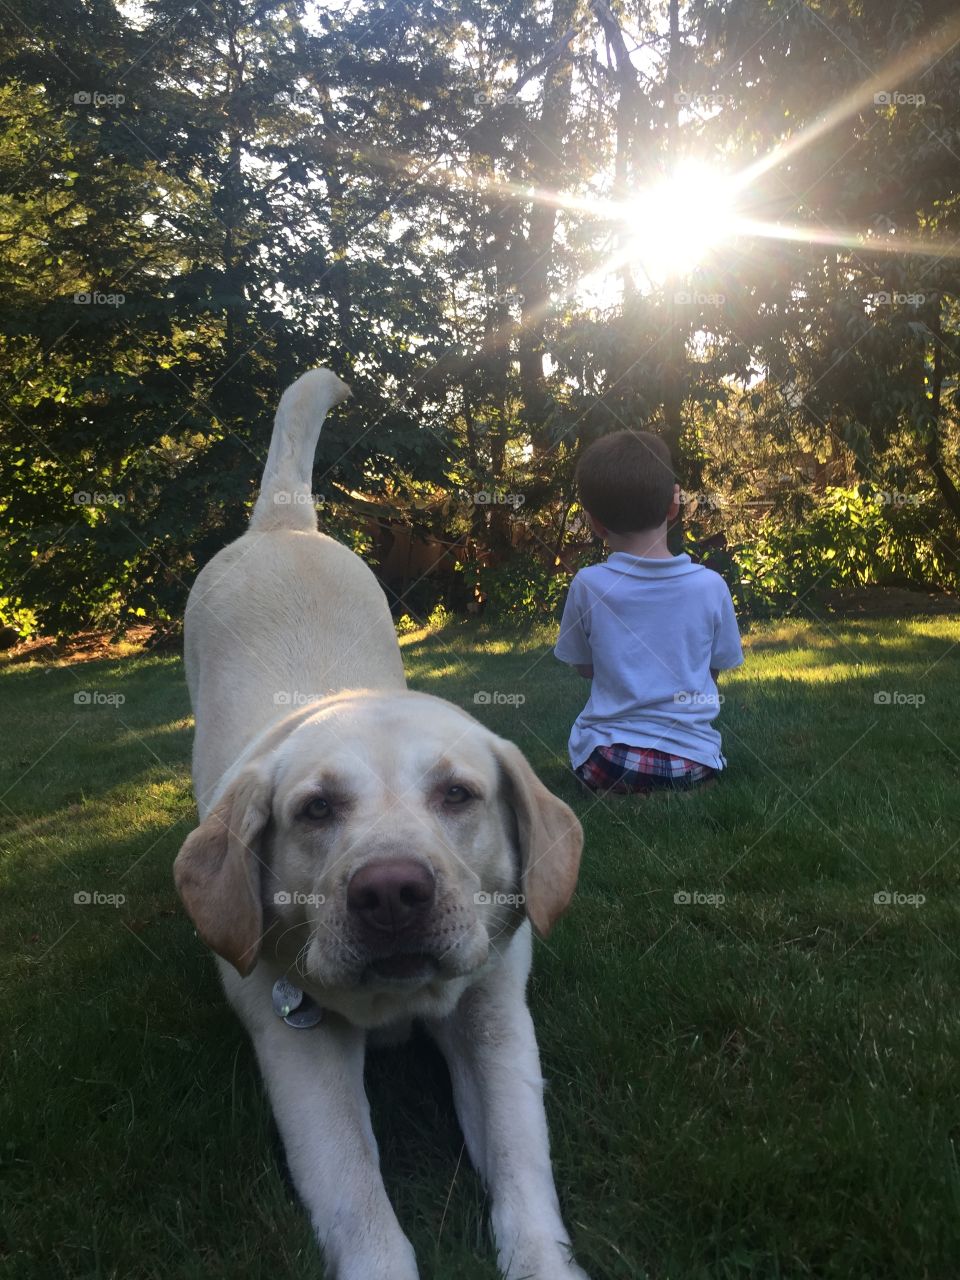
[[288, 618]]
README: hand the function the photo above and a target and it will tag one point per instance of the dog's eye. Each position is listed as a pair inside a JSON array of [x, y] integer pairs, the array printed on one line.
[[457, 795], [317, 809]]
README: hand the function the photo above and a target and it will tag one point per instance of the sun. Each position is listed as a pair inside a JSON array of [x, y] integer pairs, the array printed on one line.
[[673, 224]]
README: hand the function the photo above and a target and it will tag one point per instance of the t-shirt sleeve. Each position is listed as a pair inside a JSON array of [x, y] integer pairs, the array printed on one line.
[[573, 643], [727, 651]]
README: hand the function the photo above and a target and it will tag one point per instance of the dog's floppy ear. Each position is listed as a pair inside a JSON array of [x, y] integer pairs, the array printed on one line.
[[551, 840], [217, 871]]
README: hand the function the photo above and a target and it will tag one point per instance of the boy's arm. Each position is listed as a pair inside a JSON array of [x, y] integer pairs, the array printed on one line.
[[727, 651], [573, 643]]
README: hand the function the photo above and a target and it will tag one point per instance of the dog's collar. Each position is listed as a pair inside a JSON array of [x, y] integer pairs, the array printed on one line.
[[294, 1006]]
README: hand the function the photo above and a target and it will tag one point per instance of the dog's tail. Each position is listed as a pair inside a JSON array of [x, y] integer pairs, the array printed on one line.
[[285, 500]]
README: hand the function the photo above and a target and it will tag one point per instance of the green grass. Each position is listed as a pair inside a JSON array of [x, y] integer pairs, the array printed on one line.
[[767, 1088]]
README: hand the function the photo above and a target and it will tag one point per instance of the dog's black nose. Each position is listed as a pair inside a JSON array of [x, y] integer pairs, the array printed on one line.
[[391, 896]]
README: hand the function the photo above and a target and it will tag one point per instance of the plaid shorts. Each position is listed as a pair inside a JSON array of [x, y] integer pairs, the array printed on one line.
[[628, 770]]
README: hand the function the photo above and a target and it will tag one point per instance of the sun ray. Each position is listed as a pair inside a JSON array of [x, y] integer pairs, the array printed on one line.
[[924, 54], [849, 239]]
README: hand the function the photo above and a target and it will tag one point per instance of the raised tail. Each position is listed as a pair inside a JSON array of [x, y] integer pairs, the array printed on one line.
[[286, 500]]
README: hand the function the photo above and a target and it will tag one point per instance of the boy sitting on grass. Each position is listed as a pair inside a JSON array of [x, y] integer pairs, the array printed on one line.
[[651, 630]]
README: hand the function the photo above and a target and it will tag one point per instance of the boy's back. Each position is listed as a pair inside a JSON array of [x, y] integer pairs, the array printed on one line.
[[652, 629]]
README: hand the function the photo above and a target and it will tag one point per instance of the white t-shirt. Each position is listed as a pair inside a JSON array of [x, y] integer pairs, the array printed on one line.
[[652, 629]]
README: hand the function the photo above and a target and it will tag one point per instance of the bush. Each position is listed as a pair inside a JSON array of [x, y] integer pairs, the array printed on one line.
[[439, 617], [405, 625], [851, 537], [16, 619], [523, 588]]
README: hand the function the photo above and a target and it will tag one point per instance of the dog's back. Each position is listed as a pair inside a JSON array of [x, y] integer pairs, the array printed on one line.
[[299, 614]]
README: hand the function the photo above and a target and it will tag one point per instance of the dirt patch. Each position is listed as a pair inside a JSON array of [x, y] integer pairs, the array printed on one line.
[[93, 646]]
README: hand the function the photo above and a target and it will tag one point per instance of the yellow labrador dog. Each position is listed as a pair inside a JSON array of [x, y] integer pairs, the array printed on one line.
[[365, 856]]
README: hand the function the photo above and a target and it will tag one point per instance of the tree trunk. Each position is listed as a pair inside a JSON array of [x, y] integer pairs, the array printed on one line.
[[933, 444], [625, 171], [673, 381], [532, 280]]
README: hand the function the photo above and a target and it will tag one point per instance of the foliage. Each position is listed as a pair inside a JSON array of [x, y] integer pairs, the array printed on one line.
[[405, 625], [439, 617], [522, 589], [850, 538], [198, 203], [17, 619]]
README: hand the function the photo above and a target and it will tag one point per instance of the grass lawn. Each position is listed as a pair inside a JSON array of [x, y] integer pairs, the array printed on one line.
[[761, 1088]]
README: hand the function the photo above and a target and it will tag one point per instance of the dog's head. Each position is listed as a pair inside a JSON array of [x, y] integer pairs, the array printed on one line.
[[383, 846]]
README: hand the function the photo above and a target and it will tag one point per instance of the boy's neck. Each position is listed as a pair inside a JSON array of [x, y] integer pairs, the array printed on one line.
[[651, 544]]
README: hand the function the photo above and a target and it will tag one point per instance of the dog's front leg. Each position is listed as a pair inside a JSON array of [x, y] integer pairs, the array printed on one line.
[[491, 1050], [315, 1081]]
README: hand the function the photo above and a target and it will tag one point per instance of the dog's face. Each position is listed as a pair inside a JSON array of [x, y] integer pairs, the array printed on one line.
[[378, 851]]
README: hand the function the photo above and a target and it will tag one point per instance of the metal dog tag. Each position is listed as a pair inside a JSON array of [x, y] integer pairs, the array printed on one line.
[[308, 1015], [295, 1007], [286, 997]]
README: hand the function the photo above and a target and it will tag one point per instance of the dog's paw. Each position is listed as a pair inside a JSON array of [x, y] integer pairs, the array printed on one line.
[[542, 1261]]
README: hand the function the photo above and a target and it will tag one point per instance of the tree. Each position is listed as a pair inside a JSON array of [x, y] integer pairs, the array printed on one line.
[[416, 194]]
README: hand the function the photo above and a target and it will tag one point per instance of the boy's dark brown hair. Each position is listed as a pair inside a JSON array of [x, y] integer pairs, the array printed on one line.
[[626, 481]]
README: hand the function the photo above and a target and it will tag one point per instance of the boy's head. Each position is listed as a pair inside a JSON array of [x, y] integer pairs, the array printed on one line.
[[626, 481]]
